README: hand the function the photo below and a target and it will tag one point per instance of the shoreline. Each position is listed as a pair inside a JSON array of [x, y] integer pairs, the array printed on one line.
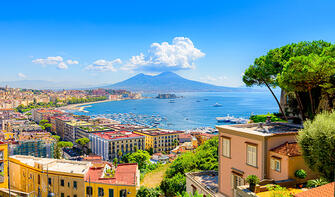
[[81, 108]]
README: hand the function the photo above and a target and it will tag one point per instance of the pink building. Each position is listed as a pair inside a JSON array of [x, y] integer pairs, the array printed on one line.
[[268, 151]]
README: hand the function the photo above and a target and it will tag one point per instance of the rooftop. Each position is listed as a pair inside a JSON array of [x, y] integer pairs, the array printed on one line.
[[75, 123], [157, 132], [324, 191], [125, 174], [207, 179], [57, 165], [289, 149], [95, 128], [117, 135], [263, 129]]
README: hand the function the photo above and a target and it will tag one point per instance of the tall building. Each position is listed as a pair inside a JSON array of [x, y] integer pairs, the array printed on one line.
[[109, 144], [160, 140]]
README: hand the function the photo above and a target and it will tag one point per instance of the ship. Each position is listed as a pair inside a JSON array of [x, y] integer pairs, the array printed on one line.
[[217, 105]]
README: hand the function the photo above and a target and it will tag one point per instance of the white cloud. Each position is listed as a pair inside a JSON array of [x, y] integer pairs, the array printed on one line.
[[56, 60], [21, 75], [48, 60], [103, 65], [72, 62], [180, 55], [62, 66]]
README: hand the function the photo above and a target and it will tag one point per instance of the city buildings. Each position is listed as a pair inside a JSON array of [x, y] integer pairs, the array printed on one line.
[[70, 129], [84, 131], [268, 151], [60, 122], [160, 139], [44, 114], [42, 176], [109, 144]]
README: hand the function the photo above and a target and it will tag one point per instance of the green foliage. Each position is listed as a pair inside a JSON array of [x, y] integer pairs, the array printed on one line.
[[302, 68], [56, 137], [148, 192], [141, 158], [83, 142], [301, 174], [252, 179], [263, 117], [185, 194], [316, 182], [115, 160], [174, 185], [318, 145], [205, 157], [65, 144], [278, 191], [85, 100]]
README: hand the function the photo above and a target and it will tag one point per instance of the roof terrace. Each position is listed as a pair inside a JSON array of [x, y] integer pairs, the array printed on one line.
[[117, 135], [264, 129]]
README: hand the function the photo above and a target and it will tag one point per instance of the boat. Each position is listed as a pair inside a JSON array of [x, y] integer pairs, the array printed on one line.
[[172, 101], [217, 105]]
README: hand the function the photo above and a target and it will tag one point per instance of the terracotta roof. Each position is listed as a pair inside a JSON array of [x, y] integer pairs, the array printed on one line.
[[110, 135], [290, 149], [125, 174], [185, 135], [324, 191]]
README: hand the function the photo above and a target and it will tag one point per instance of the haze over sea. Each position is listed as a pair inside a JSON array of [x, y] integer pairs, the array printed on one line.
[[193, 110]]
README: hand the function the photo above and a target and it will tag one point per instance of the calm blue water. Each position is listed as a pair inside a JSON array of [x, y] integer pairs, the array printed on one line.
[[187, 113]]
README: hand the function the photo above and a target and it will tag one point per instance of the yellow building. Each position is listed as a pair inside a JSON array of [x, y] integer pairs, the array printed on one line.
[[33, 176], [160, 139], [3, 165], [104, 180]]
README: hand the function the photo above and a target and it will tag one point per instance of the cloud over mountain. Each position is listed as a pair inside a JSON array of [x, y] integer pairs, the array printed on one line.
[[179, 55]]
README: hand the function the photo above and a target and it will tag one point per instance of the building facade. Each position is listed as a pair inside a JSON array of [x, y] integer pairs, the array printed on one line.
[[252, 149], [160, 140], [110, 144]]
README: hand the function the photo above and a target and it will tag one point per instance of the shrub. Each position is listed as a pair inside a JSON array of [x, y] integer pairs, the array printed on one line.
[[317, 144], [252, 179], [301, 174], [316, 182], [263, 117]]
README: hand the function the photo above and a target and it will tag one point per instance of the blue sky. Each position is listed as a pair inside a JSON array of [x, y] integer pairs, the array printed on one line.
[[94, 42]]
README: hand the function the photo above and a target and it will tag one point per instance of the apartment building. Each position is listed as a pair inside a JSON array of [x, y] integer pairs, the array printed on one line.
[[160, 139], [70, 129], [44, 114], [53, 177], [86, 130], [109, 144], [60, 122], [268, 151]]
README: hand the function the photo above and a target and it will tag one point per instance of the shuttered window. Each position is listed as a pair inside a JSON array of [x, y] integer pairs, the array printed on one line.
[[275, 164], [225, 147], [252, 155]]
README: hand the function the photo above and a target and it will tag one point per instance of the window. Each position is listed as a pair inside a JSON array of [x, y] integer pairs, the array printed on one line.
[[49, 181], [68, 184], [123, 193], [75, 184], [100, 192], [236, 180], [111, 193], [39, 179], [62, 195], [252, 155], [275, 164], [74, 195], [225, 147], [89, 191], [62, 183]]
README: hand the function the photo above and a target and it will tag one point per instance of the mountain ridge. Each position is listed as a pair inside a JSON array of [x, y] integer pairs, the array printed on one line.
[[168, 82]]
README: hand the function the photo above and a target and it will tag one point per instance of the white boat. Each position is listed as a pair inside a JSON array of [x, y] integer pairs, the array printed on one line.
[[217, 105]]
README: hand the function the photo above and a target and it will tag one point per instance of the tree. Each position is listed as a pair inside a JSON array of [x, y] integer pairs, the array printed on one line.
[[115, 161], [173, 186], [63, 144], [148, 192], [56, 137], [140, 157], [83, 142], [318, 145], [120, 154], [47, 126], [266, 69], [42, 122], [304, 73]]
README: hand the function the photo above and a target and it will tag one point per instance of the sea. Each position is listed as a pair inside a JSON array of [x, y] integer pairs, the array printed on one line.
[[189, 111]]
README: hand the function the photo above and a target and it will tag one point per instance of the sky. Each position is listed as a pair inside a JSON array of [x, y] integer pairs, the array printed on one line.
[[103, 42]]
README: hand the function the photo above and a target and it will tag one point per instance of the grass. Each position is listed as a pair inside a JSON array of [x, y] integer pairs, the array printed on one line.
[[154, 178]]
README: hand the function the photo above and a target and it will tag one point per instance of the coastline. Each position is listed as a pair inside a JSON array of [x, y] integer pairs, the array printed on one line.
[[81, 108]]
